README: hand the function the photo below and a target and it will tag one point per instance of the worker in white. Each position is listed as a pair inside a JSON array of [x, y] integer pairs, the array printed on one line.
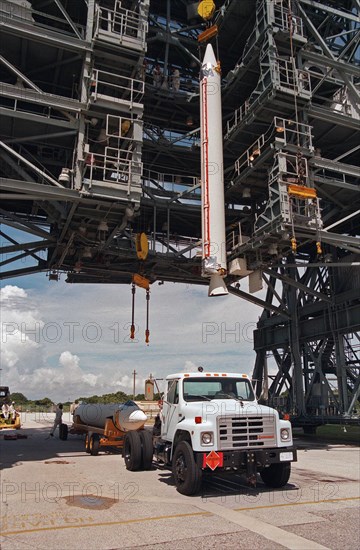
[[157, 76], [5, 410], [58, 418], [12, 410], [176, 80]]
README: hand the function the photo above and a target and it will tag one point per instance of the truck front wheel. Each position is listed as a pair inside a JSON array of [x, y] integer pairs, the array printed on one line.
[[132, 451], [276, 475], [186, 473], [146, 449]]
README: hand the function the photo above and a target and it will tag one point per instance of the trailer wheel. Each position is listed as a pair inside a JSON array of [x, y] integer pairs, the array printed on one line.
[[276, 475], [87, 443], [146, 449], [132, 451], [63, 432], [186, 472], [94, 444]]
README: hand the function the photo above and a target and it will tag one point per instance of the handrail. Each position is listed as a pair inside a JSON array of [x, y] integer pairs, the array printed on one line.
[[114, 166], [122, 22], [172, 180], [112, 85], [288, 131]]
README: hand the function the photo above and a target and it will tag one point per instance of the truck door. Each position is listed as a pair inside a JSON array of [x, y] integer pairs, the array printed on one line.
[[170, 415]]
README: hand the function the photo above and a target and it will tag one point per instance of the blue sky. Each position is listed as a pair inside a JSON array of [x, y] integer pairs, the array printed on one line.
[[64, 341]]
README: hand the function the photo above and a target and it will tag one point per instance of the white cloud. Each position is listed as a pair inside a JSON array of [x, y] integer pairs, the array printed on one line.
[[69, 361], [72, 373], [18, 349], [190, 367], [126, 384], [90, 379], [10, 292], [24, 349]]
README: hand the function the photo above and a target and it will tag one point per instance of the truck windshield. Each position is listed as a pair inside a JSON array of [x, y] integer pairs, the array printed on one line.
[[205, 389]]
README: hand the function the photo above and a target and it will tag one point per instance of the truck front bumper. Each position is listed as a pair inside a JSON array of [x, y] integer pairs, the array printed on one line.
[[239, 459]]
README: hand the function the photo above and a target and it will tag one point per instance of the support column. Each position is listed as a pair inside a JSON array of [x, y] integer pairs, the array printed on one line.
[[85, 80], [298, 385]]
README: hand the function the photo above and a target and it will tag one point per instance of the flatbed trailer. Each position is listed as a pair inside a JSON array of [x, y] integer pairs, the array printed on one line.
[[96, 438]]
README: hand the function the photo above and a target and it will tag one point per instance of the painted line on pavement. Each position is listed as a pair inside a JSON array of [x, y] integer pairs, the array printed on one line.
[[267, 530], [303, 503], [102, 524]]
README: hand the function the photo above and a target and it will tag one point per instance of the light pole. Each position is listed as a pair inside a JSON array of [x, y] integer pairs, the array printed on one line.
[[134, 374]]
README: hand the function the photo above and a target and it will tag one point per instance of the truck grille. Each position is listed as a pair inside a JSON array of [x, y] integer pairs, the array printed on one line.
[[249, 431]]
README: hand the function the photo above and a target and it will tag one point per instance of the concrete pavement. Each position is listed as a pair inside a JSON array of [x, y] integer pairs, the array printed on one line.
[[54, 495]]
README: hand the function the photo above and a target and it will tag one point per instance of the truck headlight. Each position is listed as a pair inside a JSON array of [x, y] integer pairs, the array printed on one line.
[[207, 438], [285, 434]]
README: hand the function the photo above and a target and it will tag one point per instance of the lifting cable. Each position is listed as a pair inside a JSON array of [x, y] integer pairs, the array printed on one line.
[[132, 328], [139, 280], [147, 331]]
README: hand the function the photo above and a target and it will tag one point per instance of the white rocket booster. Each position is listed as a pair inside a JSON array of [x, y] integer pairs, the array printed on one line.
[[214, 263], [126, 416]]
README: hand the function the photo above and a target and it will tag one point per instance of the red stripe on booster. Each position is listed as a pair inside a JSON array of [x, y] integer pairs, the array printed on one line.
[[206, 205]]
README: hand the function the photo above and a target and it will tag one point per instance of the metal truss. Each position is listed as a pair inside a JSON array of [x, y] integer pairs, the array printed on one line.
[[310, 359]]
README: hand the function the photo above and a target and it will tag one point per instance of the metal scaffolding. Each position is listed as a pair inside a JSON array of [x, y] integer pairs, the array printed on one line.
[[100, 141]]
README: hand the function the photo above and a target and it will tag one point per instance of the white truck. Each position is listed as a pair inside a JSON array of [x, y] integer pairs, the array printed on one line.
[[211, 422]]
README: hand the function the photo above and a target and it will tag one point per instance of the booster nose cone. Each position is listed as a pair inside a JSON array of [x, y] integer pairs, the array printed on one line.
[[209, 57], [217, 286], [137, 416], [130, 417]]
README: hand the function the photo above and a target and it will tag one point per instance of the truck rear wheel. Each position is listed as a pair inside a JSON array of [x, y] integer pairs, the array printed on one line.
[[132, 451], [186, 472], [146, 449], [94, 444], [276, 475]]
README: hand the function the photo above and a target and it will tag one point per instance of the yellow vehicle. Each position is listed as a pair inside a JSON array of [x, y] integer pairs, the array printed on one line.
[[9, 417]]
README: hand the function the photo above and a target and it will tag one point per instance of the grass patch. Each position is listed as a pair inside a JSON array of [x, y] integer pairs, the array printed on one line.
[[333, 432]]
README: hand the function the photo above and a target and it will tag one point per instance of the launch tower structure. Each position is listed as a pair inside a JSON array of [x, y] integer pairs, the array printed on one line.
[[100, 142]]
